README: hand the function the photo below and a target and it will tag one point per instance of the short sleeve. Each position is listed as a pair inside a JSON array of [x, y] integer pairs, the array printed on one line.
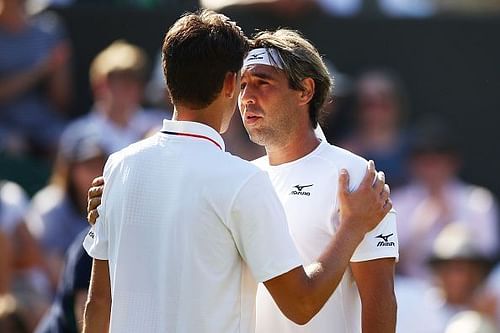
[[258, 224], [97, 239], [381, 242]]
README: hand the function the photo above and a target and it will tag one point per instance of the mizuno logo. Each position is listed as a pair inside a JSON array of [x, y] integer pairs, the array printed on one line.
[[299, 190], [300, 187], [385, 241], [257, 56]]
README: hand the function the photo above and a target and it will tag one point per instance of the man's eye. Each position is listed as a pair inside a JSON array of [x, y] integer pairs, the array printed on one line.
[[243, 85]]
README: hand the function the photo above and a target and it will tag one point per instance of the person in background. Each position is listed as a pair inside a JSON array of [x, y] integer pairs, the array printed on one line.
[[379, 118], [57, 213], [25, 270], [436, 196], [35, 80], [459, 270], [117, 76], [66, 312]]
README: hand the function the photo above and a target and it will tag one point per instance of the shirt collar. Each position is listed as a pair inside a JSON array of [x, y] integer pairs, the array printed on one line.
[[191, 127]]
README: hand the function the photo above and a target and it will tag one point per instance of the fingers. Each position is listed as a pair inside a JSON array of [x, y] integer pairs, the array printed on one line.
[[93, 203], [98, 181], [92, 216], [343, 182], [95, 191], [388, 205], [369, 175]]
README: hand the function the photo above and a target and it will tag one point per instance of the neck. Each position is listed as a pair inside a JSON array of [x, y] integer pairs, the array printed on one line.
[[210, 116], [299, 144]]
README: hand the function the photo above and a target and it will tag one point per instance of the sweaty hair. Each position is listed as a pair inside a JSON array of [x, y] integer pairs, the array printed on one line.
[[198, 51], [300, 60]]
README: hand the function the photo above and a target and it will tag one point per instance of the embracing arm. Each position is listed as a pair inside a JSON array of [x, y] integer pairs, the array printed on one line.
[[375, 281], [98, 307]]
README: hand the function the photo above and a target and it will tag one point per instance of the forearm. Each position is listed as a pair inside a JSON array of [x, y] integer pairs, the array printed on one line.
[[326, 274], [96, 316], [19, 83], [98, 308], [379, 314]]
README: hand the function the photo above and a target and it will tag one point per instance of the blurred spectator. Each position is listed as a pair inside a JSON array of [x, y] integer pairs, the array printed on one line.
[[470, 322], [459, 268], [378, 132], [58, 211], [11, 319], [35, 81], [66, 313], [436, 197], [27, 282], [117, 76], [417, 305]]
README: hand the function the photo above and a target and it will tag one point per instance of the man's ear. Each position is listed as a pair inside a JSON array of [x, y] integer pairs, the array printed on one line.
[[230, 84], [307, 92]]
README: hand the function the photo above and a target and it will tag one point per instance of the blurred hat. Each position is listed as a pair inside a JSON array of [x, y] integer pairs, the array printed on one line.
[[81, 142], [433, 135], [457, 242], [470, 322]]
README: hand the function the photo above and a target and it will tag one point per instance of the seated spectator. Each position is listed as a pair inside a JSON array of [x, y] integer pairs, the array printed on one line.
[[459, 269], [117, 76], [378, 130], [436, 196], [35, 82], [58, 211], [66, 313], [27, 281]]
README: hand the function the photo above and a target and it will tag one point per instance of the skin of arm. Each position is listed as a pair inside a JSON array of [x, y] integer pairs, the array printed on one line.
[[98, 306], [79, 308], [375, 281]]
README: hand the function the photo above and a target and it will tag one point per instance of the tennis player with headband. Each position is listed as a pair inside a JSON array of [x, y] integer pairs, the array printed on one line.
[[284, 86]]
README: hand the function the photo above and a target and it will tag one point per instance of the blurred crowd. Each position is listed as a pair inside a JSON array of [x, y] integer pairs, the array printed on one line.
[[447, 277]]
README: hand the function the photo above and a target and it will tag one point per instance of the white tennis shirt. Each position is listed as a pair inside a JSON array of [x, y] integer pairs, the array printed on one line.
[[188, 231], [307, 188]]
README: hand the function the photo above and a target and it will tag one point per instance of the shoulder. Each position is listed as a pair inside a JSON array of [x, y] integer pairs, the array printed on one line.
[[261, 162], [341, 158]]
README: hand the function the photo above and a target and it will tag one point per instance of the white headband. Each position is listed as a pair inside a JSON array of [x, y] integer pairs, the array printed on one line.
[[263, 56]]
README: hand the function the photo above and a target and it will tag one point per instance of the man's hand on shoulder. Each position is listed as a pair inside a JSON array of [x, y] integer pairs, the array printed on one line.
[[363, 209], [94, 199]]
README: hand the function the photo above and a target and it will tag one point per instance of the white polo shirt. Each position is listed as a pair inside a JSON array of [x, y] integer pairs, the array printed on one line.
[[307, 188], [188, 231]]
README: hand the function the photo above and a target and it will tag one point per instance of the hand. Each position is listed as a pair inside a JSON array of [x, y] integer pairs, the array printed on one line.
[[363, 209], [57, 58], [94, 199]]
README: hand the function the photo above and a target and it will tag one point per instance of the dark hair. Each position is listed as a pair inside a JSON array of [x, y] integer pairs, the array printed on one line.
[[198, 51], [300, 60]]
